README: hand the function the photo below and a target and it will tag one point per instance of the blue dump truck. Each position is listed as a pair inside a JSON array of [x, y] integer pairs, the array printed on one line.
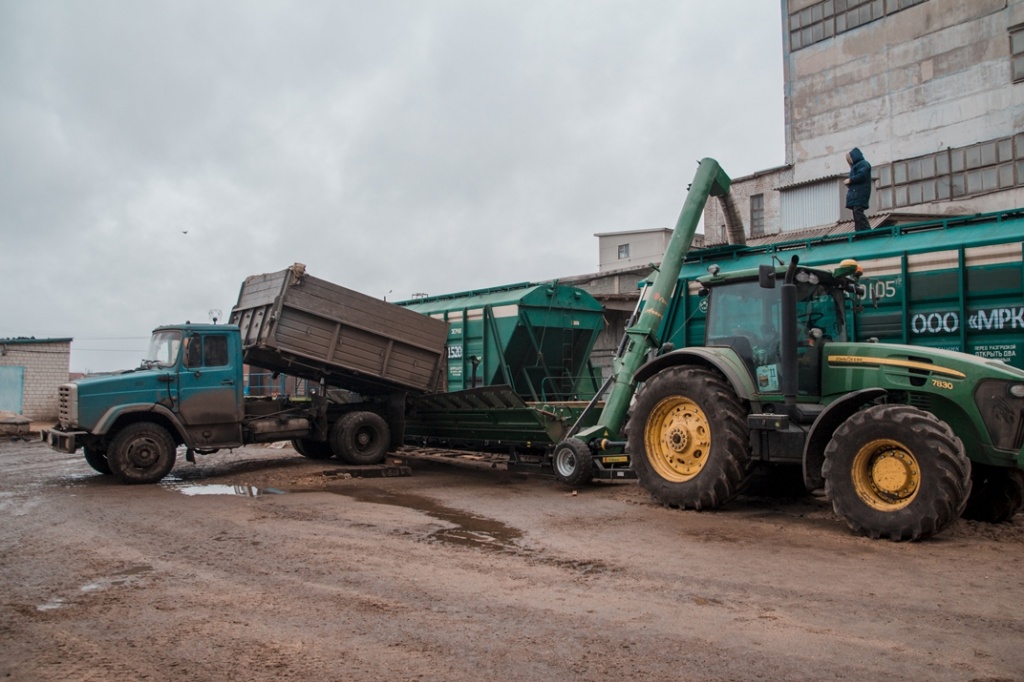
[[365, 355]]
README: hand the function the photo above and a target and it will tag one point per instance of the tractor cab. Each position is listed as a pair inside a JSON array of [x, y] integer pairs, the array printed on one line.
[[747, 312]]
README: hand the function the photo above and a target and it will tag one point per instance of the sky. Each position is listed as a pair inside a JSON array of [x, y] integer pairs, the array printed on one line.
[[155, 154]]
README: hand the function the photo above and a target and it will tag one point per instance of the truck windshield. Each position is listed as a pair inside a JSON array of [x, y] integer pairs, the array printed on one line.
[[163, 349]]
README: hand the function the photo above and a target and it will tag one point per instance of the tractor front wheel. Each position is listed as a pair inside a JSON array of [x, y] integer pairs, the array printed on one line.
[[997, 494], [689, 439], [896, 472]]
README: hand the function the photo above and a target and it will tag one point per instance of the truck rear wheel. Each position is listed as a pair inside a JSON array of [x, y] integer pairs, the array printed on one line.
[[572, 462], [997, 494], [360, 438], [141, 453], [896, 472], [313, 449], [689, 439], [97, 459]]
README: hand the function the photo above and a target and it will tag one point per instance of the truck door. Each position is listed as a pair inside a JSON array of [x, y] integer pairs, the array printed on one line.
[[210, 391]]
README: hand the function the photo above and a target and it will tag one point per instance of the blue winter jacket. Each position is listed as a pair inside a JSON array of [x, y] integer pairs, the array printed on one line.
[[858, 192]]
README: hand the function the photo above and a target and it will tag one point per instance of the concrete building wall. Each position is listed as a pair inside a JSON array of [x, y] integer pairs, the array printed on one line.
[[925, 88], [765, 183], [47, 365], [641, 246], [933, 75]]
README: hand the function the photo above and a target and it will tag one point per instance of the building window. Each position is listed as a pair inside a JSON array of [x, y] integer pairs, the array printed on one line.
[[952, 173], [829, 18], [757, 215], [1017, 53], [623, 251]]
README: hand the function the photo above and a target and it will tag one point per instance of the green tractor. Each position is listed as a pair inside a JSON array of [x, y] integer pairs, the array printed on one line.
[[896, 435]]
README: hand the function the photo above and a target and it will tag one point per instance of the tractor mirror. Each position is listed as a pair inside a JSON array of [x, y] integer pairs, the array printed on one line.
[[766, 276]]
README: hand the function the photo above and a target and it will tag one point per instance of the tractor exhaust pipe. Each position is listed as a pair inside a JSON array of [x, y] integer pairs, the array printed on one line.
[[788, 337]]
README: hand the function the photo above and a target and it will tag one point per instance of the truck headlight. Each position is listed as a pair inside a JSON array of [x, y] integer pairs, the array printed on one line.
[[1017, 390]]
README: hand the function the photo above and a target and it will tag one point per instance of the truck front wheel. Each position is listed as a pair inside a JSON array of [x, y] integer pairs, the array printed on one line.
[[97, 459], [896, 472], [360, 438], [141, 453], [689, 439]]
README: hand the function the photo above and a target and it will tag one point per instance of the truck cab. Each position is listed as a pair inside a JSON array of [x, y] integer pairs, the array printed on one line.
[[187, 391]]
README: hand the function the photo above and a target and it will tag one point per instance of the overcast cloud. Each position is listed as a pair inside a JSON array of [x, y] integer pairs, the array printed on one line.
[[394, 147]]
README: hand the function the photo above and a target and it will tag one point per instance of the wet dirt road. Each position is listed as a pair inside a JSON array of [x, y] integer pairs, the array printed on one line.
[[451, 574]]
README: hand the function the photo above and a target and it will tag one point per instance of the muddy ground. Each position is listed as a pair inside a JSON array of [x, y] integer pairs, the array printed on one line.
[[255, 565]]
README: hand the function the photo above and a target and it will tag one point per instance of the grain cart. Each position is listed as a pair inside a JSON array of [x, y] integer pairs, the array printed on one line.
[[885, 429], [364, 355]]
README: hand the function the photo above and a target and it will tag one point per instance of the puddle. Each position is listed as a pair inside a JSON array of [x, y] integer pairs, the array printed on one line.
[[118, 579], [216, 489], [470, 530]]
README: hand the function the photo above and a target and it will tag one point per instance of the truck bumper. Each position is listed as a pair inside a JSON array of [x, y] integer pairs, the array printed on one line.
[[65, 441]]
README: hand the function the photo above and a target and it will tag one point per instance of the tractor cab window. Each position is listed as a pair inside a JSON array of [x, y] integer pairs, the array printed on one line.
[[746, 318], [819, 313]]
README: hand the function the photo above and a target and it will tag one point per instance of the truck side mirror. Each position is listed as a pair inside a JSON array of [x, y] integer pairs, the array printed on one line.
[[766, 276]]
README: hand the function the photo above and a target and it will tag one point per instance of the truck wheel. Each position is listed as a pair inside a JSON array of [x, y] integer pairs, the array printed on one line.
[[360, 438], [97, 459], [896, 472], [313, 449], [141, 453], [572, 462], [689, 439], [997, 494]]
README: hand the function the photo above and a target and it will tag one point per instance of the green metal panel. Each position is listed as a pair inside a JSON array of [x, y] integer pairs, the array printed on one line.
[[955, 283], [535, 338]]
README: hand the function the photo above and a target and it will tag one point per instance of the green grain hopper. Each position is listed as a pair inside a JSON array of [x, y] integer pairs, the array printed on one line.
[[533, 338], [519, 375]]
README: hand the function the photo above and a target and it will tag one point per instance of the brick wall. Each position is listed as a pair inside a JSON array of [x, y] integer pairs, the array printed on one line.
[[47, 364]]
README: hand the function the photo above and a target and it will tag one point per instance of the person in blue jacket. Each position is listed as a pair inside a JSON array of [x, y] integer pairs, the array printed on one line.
[[858, 188]]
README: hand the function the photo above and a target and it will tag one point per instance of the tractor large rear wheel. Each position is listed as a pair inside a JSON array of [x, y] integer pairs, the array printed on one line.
[[896, 472], [689, 439], [997, 494]]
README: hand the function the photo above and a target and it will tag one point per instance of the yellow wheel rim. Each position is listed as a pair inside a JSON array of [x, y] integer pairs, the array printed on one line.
[[677, 437], [886, 474]]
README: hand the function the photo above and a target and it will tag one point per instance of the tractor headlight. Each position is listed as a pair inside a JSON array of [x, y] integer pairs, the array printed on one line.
[[1001, 404]]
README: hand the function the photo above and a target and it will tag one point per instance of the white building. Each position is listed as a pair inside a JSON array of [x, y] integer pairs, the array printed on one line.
[[31, 371], [932, 91]]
